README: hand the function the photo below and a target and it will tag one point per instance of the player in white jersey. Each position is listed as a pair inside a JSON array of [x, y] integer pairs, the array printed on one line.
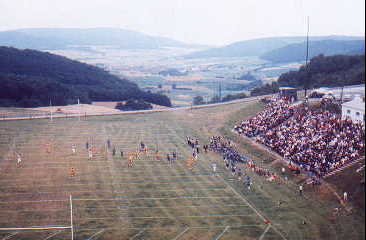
[[90, 152], [214, 168], [19, 160], [73, 149]]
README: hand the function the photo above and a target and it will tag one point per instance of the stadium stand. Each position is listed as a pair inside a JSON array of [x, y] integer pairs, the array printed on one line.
[[316, 140]]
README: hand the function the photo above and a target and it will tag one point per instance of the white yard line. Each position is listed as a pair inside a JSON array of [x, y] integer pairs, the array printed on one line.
[[162, 228], [222, 233], [181, 234], [35, 228], [10, 236], [189, 206], [52, 235], [343, 167], [126, 207], [33, 201], [162, 176], [149, 198], [114, 192], [96, 234], [111, 183], [137, 234], [265, 231], [155, 217], [114, 183]]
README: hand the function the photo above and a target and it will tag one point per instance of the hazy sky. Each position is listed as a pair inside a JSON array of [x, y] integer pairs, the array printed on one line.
[[196, 21]]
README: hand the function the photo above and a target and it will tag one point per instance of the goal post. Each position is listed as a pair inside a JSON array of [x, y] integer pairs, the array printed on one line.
[[71, 219]]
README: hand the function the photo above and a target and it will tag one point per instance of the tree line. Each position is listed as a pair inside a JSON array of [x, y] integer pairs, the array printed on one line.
[[30, 78], [321, 71]]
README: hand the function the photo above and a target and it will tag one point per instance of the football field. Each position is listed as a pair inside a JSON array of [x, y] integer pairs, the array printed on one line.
[[106, 199]]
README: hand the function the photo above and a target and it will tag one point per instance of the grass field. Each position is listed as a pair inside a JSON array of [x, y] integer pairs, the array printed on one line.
[[152, 200]]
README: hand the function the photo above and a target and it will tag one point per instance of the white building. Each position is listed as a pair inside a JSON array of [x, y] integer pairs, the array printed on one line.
[[354, 109]]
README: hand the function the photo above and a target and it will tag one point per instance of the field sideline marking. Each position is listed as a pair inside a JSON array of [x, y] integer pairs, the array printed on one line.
[[187, 206], [52, 235], [181, 234], [137, 234], [250, 205], [265, 231], [222, 233], [246, 201], [95, 234]]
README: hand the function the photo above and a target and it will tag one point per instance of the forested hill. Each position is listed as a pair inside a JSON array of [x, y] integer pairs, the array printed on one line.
[[63, 38], [262, 46], [297, 52], [30, 78], [322, 71], [329, 71]]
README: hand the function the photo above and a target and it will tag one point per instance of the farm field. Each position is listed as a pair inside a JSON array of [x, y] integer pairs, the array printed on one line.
[[153, 199]]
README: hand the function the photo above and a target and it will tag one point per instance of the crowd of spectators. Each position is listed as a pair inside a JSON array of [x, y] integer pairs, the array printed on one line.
[[275, 113], [315, 139]]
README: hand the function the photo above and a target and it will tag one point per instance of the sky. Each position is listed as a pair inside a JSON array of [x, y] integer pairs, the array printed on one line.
[[211, 22]]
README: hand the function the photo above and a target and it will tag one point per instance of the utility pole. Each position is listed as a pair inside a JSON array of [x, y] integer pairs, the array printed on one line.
[[306, 61], [219, 91], [344, 80], [342, 94], [51, 109], [79, 108]]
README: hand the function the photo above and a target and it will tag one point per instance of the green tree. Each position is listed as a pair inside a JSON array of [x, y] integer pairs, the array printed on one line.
[[198, 100], [134, 104], [215, 99]]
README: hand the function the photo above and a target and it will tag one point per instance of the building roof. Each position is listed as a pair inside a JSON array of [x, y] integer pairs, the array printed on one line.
[[287, 88], [356, 103]]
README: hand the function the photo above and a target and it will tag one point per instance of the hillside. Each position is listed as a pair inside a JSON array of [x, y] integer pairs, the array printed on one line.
[[297, 52], [322, 71], [259, 47], [329, 71], [30, 78], [62, 38]]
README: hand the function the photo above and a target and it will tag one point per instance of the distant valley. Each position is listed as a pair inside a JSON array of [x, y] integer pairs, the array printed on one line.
[[178, 70]]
